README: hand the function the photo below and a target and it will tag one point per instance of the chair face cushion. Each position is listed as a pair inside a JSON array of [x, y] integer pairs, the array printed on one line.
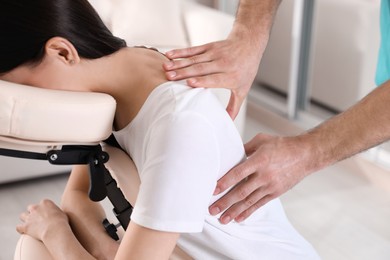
[[35, 114]]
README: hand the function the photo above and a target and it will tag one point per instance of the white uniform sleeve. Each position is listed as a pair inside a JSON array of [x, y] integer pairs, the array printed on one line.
[[179, 174]]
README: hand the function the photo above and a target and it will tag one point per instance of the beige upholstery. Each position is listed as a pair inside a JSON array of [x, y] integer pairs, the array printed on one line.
[[39, 120], [125, 173], [34, 114]]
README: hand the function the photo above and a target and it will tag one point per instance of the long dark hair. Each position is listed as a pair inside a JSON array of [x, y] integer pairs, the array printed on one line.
[[26, 25]]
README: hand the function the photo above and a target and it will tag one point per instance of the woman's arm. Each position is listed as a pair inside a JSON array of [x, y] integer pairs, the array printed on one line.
[[86, 216], [46, 222], [49, 224], [140, 243], [77, 231]]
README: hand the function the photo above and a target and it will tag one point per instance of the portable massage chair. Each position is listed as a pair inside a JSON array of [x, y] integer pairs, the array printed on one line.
[[68, 128]]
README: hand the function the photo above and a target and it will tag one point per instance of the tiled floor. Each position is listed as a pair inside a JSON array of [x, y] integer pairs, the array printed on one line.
[[343, 211]]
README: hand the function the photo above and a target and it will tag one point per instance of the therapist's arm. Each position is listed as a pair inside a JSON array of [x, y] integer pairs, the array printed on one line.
[[231, 63], [276, 164]]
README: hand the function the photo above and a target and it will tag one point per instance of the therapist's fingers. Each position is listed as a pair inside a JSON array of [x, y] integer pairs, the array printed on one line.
[[191, 58], [206, 60], [243, 209], [248, 194], [187, 52], [196, 72], [201, 70], [249, 166], [239, 193], [184, 63], [235, 102], [274, 166], [234, 176], [211, 77]]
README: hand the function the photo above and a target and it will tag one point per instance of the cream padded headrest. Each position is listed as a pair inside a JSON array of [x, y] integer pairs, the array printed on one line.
[[36, 114]]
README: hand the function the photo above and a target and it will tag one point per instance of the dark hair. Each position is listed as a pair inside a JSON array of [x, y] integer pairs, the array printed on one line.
[[26, 25]]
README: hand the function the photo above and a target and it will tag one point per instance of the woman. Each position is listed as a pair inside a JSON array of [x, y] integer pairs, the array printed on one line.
[[180, 139]]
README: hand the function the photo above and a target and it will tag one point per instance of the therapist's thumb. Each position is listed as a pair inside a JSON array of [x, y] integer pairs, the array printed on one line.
[[233, 107]]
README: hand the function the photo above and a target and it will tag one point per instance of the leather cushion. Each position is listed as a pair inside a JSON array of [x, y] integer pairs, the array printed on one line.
[[35, 114]]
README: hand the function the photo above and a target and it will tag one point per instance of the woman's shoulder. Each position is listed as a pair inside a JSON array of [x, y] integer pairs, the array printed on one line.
[[176, 97]]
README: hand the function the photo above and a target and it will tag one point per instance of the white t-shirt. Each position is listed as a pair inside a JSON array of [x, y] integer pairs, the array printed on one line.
[[182, 141]]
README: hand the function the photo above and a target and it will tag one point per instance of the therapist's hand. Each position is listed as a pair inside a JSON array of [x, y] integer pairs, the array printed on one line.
[[231, 64], [274, 165]]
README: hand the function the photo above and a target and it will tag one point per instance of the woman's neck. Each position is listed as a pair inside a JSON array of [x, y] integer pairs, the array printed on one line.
[[129, 76]]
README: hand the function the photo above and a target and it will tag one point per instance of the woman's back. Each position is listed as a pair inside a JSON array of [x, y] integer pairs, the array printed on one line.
[[182, 141]]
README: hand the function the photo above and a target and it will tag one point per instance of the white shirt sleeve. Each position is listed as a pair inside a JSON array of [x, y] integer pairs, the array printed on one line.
[[178, 175]]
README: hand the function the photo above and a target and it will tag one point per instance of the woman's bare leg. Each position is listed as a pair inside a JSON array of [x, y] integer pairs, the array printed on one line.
[[28, 248]]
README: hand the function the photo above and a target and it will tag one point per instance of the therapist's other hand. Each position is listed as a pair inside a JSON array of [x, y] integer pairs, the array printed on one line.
[[231, 64], [274, 165], [41, 218]]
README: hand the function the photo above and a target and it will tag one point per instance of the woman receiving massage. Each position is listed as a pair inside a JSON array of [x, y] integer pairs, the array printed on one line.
[[181, 140]]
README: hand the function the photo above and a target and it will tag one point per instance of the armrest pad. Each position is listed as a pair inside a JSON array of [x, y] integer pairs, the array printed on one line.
[[124, 171], [35, 114]]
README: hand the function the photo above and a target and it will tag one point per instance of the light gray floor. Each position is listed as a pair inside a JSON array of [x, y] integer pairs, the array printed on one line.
[[344, 211], [14, 198]]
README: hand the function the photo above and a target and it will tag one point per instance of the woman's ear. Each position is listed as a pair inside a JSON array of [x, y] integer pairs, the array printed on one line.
[[63, 50]]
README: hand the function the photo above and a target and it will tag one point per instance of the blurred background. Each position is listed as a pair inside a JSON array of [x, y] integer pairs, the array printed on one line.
[[321, 59]]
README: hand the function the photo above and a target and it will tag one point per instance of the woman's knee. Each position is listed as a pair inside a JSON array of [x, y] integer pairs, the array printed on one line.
[[31, 249]]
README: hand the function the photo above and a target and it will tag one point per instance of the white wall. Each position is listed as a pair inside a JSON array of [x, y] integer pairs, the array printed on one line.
[[345, 47]]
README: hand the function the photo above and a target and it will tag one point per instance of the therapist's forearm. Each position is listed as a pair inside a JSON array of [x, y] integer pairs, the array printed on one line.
[[255, 18], [252, 28], [276, 164], [361, 127]]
